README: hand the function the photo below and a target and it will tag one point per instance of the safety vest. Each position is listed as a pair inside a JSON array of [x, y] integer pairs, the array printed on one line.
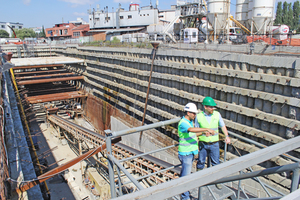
[[214, 124], [187, 141]]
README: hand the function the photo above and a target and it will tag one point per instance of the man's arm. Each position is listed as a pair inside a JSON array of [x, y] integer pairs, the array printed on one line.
[[227, 138], [224, 129], [200, 131]]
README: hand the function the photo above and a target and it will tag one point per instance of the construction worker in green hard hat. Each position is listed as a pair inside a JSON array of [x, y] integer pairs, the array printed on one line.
[[188, 143], [209, 145]]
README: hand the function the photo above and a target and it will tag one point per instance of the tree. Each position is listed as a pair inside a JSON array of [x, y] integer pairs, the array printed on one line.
[[290, 16], [285, 13], [278, 19], [25, 33], [43, 34], [4, 34], [296, 12]]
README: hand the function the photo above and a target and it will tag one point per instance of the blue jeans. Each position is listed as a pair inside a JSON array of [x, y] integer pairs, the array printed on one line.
[[211, 151], [186, 169]]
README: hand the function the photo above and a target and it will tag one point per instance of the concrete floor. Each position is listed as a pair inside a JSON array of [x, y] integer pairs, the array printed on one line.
[[68, 186]]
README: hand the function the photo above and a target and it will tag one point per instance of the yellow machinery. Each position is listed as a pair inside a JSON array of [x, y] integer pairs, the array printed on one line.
[[240, 25]]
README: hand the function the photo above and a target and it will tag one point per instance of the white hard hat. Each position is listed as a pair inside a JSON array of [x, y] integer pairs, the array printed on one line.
[[191, 107]]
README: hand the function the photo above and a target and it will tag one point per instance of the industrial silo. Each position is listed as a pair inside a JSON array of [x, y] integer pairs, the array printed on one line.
[[262, 15], [250, 6], [218, 13], [242, 11]]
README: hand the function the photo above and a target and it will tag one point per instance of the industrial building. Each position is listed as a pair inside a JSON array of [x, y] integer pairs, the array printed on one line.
[[14, 25]]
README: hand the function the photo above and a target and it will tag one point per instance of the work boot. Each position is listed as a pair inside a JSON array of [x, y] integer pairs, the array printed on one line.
[[219, 186]]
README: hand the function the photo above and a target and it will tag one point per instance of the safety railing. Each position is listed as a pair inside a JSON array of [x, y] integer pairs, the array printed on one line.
[[212, 175], [114, 162], [220, 173]]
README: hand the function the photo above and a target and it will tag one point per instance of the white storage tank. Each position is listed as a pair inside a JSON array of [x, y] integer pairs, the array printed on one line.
[[217, 13], [250, 6], [190, 35], [241, 11], [262, 14]]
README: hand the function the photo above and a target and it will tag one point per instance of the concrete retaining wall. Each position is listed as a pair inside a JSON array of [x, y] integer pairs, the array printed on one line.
[[258, 96]]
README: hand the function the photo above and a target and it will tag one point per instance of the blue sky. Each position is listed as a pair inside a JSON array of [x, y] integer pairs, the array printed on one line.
[[37, 13]]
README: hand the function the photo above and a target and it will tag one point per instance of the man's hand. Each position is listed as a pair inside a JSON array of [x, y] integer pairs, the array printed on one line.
[[207, 133], [212, 132], [227, 140]]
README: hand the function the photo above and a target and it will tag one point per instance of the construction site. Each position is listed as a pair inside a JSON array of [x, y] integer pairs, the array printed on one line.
[[101, 122], [72, 119]]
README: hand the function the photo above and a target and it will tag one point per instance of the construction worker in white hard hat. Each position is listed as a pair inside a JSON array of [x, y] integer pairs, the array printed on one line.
[[188, 142], [209, 145]]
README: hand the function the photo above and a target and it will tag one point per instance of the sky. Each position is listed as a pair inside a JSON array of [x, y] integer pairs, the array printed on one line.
[[47, 13]]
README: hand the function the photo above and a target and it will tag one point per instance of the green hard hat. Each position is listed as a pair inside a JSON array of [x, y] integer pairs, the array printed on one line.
[[208, 101]]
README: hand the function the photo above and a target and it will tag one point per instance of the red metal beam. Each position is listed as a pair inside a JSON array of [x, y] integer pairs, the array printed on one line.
[[40, 72], [42, 76], [37, 66], [50, 80], [63, 167], [55, 97]]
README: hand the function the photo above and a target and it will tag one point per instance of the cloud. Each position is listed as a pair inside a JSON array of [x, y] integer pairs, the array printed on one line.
[[80, 14], [127, 1], [26, 2], [80, 2]]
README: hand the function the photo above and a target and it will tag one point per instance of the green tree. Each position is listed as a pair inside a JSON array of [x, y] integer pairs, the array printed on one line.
[[296, 12], [25, 33], [43, 34], [278, 19], [290, 16], [4, 34], [285, 13]]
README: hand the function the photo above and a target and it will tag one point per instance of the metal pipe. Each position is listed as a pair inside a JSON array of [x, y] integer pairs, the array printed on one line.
[[155, 46], [239, 189], [211, 192], [295, 180], [225, 151], [272, 170], [110, 167], [119, 182], [150, 152], [146, 127], [261, 183], [148, 175], [134, 181], [261, 145]]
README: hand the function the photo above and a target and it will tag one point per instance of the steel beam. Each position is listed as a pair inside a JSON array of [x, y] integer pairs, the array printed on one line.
[[50, 80], [146, 127], [264, 172], [214, 173], [63, 167], [36, 66], [43, 76], [40, 72], [134, 181], [54, 97]]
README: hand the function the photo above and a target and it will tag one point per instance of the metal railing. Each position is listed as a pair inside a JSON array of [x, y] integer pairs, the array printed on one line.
[[212, 175]]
